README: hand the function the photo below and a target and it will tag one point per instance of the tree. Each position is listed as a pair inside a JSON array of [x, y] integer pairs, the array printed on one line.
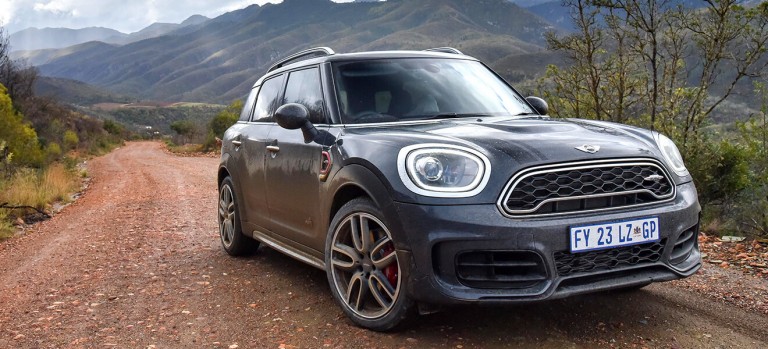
[[667, 66], [221, 122], [18, 77], [20, 138], [187, 130]]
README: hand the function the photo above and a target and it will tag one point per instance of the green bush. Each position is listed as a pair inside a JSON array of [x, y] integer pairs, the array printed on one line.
[[720, 170], [70, 140], [221, 122], [52, 152], [19, 136]]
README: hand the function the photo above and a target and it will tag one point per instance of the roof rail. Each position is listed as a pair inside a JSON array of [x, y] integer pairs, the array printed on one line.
[[317, 51], [445, 50]]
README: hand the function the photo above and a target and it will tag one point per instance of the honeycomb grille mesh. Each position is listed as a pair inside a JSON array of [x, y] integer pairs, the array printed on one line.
[[568, 263], [574, 189]]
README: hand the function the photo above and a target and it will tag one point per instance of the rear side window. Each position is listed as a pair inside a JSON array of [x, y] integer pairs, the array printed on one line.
[[245, 115], [268, 99], [303, 87]]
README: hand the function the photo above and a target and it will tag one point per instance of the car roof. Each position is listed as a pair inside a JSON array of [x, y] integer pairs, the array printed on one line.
[[361, 56]]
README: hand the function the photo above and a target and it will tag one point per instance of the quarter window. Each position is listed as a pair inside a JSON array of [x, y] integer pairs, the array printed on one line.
[[304, 88], [245, 115], [268, 99]]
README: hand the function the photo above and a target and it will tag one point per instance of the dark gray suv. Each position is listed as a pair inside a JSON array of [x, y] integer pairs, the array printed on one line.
[[417, 179]]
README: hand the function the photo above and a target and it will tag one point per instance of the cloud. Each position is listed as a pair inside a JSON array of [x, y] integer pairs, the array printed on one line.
[[55, 7], [123, 15], [6, 11]]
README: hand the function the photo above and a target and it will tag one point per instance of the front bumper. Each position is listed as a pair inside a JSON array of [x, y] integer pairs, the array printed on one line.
[[528, 259]]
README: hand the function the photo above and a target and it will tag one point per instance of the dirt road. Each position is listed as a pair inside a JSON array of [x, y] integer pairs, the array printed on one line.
[[136, 263]]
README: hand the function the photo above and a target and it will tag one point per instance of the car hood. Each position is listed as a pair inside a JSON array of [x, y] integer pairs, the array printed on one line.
[[524, 141]]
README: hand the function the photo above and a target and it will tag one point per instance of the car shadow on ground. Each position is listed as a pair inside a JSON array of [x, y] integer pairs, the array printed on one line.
[[588, 318]]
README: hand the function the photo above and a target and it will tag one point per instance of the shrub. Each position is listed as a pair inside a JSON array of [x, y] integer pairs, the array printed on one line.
[[20, 137], [70, 140], [53, 152], [221, 122]]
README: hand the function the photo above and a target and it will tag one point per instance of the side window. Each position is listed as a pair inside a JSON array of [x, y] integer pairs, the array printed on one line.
[[304, 87], [268, 99], [245, 115]]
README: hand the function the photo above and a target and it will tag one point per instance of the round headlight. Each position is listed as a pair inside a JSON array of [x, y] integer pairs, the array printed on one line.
[[430, 168], [442, 170], [671, 154]]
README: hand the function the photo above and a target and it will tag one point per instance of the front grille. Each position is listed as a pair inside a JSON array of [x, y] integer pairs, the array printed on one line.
[[586, 187], [500, 269], [568, 263]]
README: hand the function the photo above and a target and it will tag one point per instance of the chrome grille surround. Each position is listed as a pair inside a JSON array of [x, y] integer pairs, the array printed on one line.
[[585, 167]]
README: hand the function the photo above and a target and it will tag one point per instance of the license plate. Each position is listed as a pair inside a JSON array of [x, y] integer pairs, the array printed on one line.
[[614, 234]]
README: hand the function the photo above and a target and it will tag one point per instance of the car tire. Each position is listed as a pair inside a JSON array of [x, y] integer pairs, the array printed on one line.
[[363, 269], [230, 230]]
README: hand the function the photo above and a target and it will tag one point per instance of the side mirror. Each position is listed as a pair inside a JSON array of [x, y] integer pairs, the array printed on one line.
[[292, 116], [539, 104]]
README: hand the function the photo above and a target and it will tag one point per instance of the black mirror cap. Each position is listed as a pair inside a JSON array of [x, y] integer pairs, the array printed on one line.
[[539, 104], [292, 116]]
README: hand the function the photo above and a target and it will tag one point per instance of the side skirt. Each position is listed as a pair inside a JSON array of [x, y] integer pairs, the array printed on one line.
[[288, 250]]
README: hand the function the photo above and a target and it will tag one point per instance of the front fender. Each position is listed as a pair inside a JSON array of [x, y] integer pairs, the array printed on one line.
[[364, 179]]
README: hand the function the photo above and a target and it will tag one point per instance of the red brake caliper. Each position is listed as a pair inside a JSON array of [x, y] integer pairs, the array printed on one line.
[[391, 271]]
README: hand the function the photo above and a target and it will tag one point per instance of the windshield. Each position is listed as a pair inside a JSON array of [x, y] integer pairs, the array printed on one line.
[[421, 88]]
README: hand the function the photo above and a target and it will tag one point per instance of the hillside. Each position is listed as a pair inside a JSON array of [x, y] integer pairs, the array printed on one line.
[[33, 39], [216, 61], [75, 92], [157, 29], [52, 38]]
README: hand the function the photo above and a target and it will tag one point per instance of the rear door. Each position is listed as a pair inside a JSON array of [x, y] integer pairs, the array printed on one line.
[[293, 167], [252, 151]]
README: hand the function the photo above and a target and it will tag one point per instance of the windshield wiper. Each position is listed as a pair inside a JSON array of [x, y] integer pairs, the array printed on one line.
[[454, 115], [443, 116]]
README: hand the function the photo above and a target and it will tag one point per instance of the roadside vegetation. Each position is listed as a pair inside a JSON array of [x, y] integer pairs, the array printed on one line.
[[192, 135], [158, 117], [41, 144], [662, 66]]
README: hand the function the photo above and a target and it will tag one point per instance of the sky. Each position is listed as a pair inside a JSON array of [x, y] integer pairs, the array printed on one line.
[[124, 15]]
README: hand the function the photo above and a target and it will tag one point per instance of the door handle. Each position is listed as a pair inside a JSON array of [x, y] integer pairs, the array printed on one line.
[[273, 148]]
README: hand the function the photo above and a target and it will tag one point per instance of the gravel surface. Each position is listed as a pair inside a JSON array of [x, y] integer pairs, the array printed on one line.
[[136, 263]]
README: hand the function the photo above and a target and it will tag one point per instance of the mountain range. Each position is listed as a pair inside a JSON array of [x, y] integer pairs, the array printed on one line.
[[219, 59], [54, 38]]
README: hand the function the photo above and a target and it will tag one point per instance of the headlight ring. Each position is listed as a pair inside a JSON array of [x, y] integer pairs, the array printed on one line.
[[443, 170]]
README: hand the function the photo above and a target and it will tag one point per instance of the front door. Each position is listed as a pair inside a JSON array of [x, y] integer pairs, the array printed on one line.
[[293, 167]]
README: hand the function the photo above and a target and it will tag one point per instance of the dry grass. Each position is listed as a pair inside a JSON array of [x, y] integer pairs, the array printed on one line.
[[6, 228], [35, 188], [39, 188]]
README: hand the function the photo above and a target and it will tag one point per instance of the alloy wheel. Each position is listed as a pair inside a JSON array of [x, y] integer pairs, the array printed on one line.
[[227, 216], [364, 266]]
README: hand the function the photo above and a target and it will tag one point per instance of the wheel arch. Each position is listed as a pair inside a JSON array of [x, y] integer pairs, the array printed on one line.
[[356, 181], [344, 195], [223, 173]]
